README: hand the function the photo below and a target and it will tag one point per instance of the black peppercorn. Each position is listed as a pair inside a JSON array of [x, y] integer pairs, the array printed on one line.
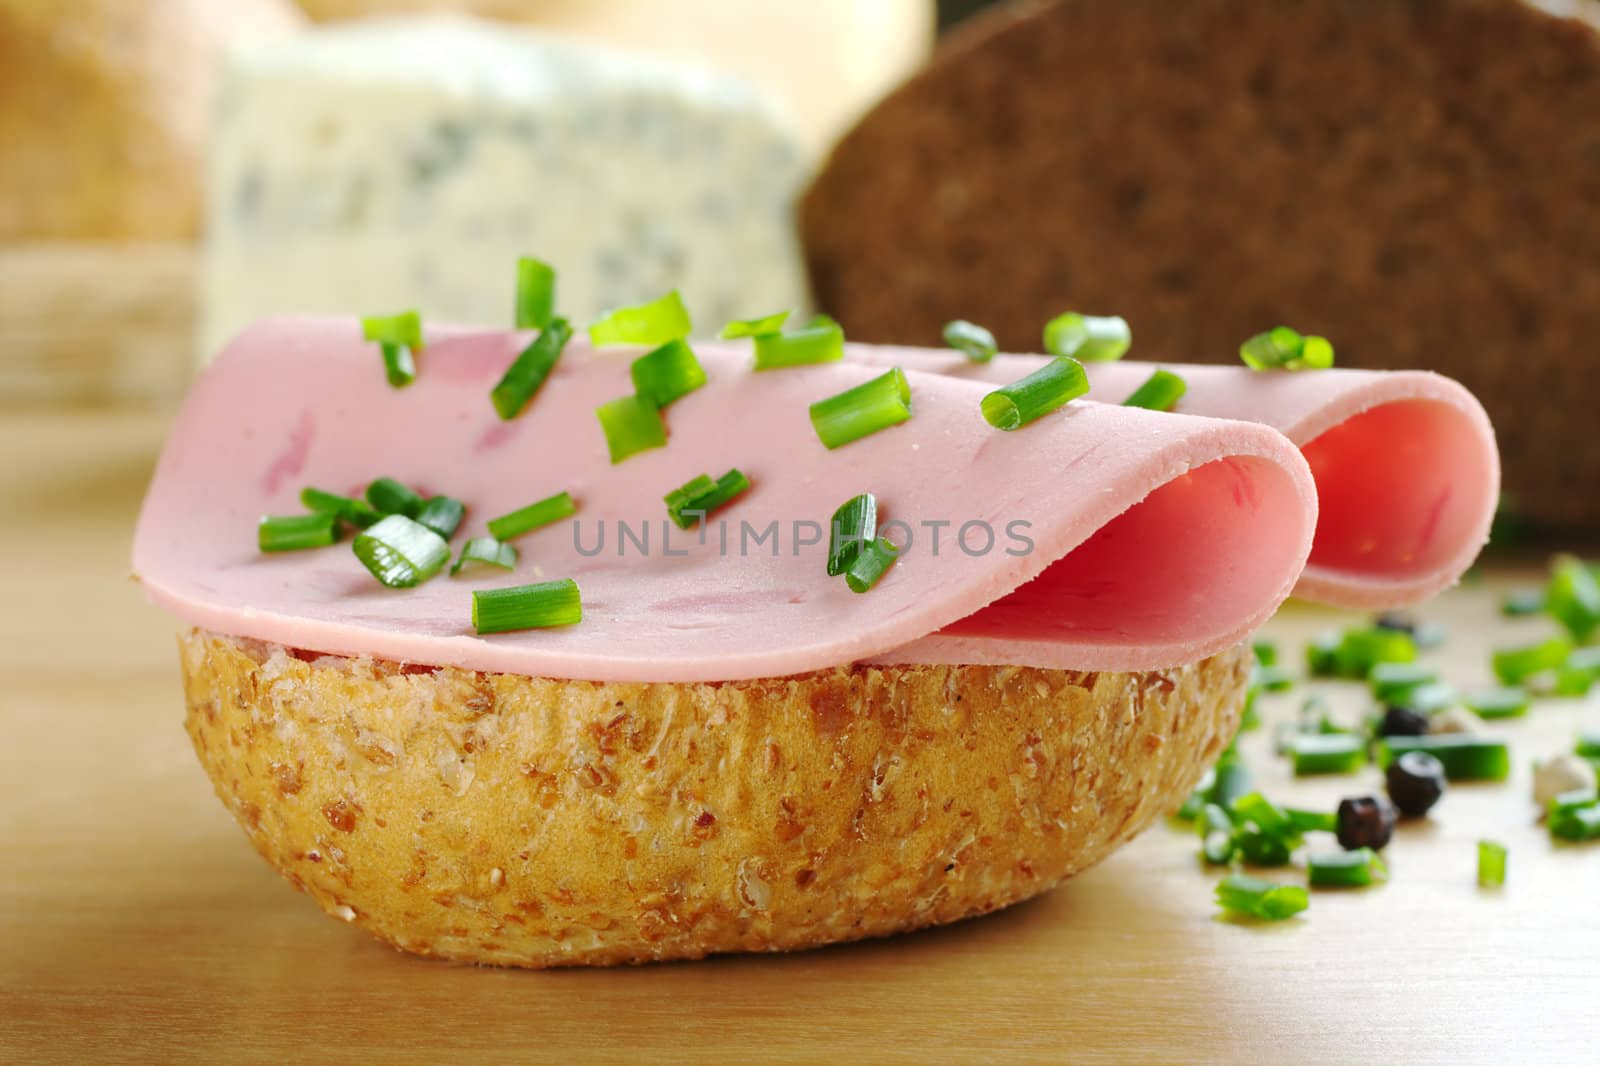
[[1365, 822], [1416, 781], [1399, 623], [1403, 722]]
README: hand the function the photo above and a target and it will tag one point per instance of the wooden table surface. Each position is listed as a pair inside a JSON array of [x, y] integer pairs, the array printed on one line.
[[136, 923]]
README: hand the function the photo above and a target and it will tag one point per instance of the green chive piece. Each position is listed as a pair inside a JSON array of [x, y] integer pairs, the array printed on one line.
[[1217, 845], [388, 496], [1345, 869], [1021, 402], [284, 533], [1232, 781], [1322, 655], [656, 322], [855, 524], [754, 327], [971, 340], [854, 413], [1273, 679], [1571, 682], [632, 424], [1491, 864], [401, 552], [486, 551], [536, 293], [1090, 338], [693, 502], [1250, 714], [1395, 682], [541, 513], [1465, 756], [540, 606], [357, 513], [1267, 816], [403, 329], [1357, 651], [1505, 701], [1588, 745], [1521, 602], [1304, 821], [819, 343], [1266, 652], [1260, 848], [1434, 696], [667, 373], [527, 372], [1256, 897], [1573, 597], [1515, 665], [1571, 801], [399, 364], [1161, 392], [870, 565], [1577, 823], [1327, 753], [1282, 348], [443, 515], [1585, 659]]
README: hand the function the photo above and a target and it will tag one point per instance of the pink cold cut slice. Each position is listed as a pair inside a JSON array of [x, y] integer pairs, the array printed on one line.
[[1122, 539], [1405, 461]]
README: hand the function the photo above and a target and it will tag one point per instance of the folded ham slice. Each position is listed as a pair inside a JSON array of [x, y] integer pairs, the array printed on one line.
[[1405, 461], [1098, 538]]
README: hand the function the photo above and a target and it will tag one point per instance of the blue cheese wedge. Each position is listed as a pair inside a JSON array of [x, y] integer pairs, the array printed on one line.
[[409, 162]]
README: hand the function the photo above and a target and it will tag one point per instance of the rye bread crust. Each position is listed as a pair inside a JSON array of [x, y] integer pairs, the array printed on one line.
[[534, 822]]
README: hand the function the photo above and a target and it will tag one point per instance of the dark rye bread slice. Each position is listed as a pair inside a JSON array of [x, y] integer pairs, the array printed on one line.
[[1417, 179]]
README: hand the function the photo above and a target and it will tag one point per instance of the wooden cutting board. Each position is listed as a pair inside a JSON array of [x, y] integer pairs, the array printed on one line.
[[96, 324], [136, 924]]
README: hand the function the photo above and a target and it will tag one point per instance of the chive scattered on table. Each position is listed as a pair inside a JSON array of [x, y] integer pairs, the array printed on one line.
[[1491, 864], [1515, 665], [1498, 701], [1256, 897], [1345, 869], [1465, 756], [1327, 753]]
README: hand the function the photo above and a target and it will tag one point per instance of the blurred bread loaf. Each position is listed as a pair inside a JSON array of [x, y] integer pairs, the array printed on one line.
[[104, 108], [1419, 180]]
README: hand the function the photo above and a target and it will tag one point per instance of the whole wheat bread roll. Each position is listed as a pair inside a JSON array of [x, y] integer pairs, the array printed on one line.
[[1418, 180], [103, 111], [532, 822]]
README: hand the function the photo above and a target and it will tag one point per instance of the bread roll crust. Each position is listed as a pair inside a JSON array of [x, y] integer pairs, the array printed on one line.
[[535, 822]]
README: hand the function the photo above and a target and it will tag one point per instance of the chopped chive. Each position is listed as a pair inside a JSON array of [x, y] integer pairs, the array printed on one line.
[[1161, 392], [1019, 403], [1090, 338], [1571, 801], [1266, 652], [667, 373], [855, 524], [1259, 898], [1273, 679], [1322, 655], [1588, 744], [1327, 753], [487, 551], [1506, 701], [283, 533], [1268, 816], [388, 496], [1355, 652], [970, 339], [754, 327], [1250, 713], [356, 512], [443, 515], [1345, 869], [1521, 602], [820, 343], [656, 322], [403, 329], [1260, 848], [400, 552], [691, 503], [870, 565], [399, 364], [541, 513], [1585, 659], [1577, 823], [1573, 597], [536, 293], [1491, 864], [1217, 842], [1395, 682], [632, 424], [1232, 781], [1465, 756], [882, 402], [1283, 348], [540, 606], [1304, 821], [1434, 696], [1571, 682], [529, 369], [1515, 665]]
